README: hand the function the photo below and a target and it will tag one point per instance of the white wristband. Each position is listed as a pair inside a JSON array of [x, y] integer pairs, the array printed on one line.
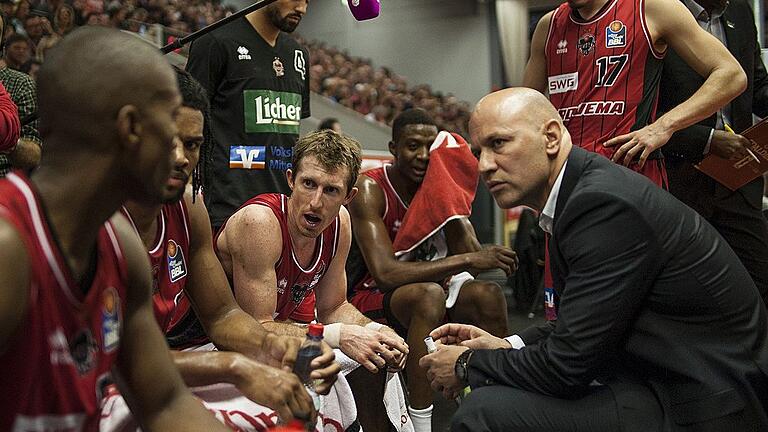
[[373, 325], [332, 334]]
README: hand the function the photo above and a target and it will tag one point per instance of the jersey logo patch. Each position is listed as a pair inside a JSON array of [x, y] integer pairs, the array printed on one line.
[[82, 348], [586, 43], [616, 35], [268, 111], [277, 65], [299, 63], [110, 320], [562, 47], [563, 83], [177, 268], [247, 157], [242, 53]]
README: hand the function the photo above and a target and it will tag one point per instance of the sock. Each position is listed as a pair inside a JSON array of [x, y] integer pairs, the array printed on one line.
[[421, 418]]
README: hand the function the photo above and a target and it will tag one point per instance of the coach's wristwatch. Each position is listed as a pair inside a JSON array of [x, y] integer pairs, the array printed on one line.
[[461, 366]]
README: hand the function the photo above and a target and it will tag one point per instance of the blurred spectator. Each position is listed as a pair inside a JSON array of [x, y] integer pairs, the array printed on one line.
[[30, 68], [17, 51], [33, 25], [7, 7], [330, 123], [22, 11], [9, 122], [64, 20]]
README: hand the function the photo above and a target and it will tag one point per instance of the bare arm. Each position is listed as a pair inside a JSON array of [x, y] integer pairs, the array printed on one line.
[[535, 75], [671, 24], [364, 345], [228, 326], [367, 211], [144, 370], [14, 278]]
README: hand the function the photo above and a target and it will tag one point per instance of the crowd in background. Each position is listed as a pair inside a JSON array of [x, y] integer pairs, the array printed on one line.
[[377, 92]]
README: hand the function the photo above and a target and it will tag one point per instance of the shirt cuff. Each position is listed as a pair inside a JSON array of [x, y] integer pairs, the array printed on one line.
[[515, 341], [709, 142]]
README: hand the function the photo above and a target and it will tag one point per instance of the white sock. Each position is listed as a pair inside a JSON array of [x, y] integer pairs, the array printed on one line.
[[421, 418]]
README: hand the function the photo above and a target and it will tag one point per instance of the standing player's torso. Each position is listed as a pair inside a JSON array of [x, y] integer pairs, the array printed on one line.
[[602, 73], [58, 362], [256, 112]]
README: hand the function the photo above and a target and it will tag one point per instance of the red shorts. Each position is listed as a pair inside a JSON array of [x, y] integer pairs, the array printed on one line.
[[375, 305]]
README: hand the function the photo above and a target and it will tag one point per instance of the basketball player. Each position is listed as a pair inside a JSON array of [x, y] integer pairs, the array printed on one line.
[[177, 236], [600, 62], [286, 256], [75, 306], [406, 294]]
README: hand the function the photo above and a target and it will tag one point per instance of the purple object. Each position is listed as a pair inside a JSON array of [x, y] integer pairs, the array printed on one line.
[[364, 9]]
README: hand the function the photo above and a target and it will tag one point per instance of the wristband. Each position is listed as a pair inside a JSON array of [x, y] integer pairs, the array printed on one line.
[[373, 325], [332, 334]]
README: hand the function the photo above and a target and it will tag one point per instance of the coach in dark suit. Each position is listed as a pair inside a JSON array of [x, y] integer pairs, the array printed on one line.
[[660, 327], [736, 215]]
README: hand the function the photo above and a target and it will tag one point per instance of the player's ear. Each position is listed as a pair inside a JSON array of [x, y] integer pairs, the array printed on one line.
[[350, 195], [289, 177], [129, 126], [392, 148], [553, 134]]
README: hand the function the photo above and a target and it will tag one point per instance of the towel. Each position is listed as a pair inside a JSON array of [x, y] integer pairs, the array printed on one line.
[[337, 412], [394, 395], [445, 194]]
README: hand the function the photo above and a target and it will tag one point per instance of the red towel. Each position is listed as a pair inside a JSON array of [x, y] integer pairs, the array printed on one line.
[[446, 193]]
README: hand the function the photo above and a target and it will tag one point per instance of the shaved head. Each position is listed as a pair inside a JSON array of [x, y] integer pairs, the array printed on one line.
[[519, 103], [90, 75], [522, 144], [108, 102]]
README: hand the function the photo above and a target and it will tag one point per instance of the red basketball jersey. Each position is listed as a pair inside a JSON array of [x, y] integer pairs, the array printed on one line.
[[57, 363], [394, 213], [603, 74], [168, 259], [295, 284]]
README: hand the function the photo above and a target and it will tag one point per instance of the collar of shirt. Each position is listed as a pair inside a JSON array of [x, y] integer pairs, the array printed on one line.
[[700, 13], [547, 217]]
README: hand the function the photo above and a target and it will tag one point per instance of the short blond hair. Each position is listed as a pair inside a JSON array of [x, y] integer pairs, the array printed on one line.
[[332, 150]]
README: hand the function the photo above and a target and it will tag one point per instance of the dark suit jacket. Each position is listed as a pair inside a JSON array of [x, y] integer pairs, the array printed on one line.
[[679, 82], [649, 292]]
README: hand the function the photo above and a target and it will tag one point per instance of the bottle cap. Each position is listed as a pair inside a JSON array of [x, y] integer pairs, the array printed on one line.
[[315, 330]]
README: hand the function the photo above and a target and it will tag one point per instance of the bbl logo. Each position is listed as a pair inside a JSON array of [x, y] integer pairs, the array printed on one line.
[[110, 319], [177, 268], [586, 44], [269, 111], [615, 35]]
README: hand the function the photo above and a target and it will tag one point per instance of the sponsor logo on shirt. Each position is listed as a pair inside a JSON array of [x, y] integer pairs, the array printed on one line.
[[247, 157], [586, 43], [597, 108], [59, 347], [269, 111], [242, 53], [177, 268], [562, 47], [277, 65], [110, 320], [563, 83], [615, 35]]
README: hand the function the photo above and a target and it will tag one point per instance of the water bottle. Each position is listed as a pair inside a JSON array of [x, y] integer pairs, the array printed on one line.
[[432, 347], [310, 349]]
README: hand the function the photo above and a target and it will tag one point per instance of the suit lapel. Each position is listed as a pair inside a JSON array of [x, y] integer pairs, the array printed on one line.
[[576, 164], [732, 31]]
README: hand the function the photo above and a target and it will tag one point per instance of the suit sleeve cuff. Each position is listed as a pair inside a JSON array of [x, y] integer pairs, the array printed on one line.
[[515, 341]]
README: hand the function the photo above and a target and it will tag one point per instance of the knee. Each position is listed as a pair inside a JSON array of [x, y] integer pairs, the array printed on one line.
[[429, 302], [486, 296], [469, 417]]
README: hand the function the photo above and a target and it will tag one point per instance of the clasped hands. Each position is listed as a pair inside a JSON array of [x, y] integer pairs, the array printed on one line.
[[451, 341]]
